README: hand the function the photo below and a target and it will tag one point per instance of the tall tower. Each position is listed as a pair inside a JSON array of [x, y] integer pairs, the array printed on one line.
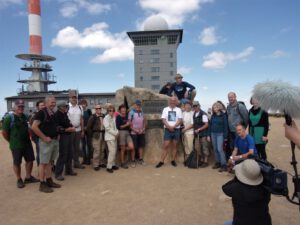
[[40, 77], [155, 53]]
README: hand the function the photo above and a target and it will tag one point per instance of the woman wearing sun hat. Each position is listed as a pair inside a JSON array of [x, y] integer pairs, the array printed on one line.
[[250, 199]]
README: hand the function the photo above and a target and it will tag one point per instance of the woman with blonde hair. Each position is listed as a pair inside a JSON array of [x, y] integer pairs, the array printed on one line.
[[218, 131]]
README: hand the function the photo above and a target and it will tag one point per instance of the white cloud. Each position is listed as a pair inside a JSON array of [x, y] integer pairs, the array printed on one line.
[[279, 54], [184, 70], [71, 8], [175, 12], [5, 3], [218, 60], [116, 46], [208, 36]]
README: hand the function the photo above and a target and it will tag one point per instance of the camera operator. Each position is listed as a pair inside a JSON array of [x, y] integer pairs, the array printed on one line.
[[244, 146], [250, 199], [292, 133], [65, 128]]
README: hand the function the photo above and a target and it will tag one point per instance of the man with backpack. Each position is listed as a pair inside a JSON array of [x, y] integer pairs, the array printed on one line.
[[237, 113], [15, 131]]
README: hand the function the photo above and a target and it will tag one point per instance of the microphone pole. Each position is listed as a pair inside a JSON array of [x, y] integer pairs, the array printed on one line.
[[296, 178]]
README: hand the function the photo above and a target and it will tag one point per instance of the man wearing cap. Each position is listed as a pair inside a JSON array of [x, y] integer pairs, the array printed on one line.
[[65, 128], [250, 199], [15, 131], [138, 127], [171, 118], [200, 119], [95, 130], [75, 114], [45, 127], [180, 89]]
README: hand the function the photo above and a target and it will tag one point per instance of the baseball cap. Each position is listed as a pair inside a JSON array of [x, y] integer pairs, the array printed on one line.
[[19, 102], [61, 104], [196, 103], [138, 102]]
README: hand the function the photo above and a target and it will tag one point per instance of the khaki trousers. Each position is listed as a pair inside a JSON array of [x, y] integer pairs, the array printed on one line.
[[98, 146], [188, 140], [112, 149]]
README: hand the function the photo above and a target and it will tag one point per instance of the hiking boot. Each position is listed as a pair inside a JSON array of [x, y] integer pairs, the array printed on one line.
[[51, 184], [173, 163], [72, 173], [60, 178], [132, 164], [31, 179], [160, 164], [102, 165], [110, 170], [45, 188], [97, 168], [115, 167], [142, 162], [216, 166], [20, 183], [124, 166], [203, 165]]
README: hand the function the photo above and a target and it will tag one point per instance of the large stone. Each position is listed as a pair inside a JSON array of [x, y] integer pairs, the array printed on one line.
[[152, 104]]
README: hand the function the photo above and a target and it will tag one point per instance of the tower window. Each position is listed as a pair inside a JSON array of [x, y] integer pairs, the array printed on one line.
[[155, 78], [155, 52], [155, 69]]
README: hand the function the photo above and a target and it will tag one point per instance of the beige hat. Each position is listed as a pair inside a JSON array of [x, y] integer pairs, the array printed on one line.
[[248, 172]]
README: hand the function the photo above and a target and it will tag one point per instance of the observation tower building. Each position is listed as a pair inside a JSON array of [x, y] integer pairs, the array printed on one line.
[[155, 53]]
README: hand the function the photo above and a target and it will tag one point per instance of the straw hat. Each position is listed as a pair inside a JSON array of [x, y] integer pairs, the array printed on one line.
[[248, 172]]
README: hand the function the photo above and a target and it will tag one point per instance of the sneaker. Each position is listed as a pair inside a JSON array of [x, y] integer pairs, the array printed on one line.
[[124, 166], [51, 184], [142, 162], [97, 168], [173, 163], [60, 178], [20, 183], [216, 166], [133, 164], [223, 169], [31, 179], [203, 165], [79, 166], [72, 173], [45, 188], [110, 170], [160, 164], [115, 167]]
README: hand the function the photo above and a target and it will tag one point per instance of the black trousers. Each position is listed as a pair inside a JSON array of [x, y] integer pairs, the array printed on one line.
[[261, 151], [65, 155]]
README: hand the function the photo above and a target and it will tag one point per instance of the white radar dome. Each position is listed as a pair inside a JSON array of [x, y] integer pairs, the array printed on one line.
[[155, 23]]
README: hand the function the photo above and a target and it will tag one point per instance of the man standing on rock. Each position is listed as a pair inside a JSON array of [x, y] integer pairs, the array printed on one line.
[[171, 118]]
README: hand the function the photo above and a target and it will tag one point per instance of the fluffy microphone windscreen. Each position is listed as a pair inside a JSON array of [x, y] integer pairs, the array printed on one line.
[[278, 96]]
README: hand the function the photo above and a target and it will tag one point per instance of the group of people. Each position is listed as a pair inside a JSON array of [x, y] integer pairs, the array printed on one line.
[[61, 136]]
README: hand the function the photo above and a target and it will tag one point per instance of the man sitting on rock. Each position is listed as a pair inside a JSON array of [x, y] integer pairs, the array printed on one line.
[[180, 89]]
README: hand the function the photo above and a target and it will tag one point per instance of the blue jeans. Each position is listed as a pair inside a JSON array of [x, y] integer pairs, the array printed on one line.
[[228, 223], [217, 141]]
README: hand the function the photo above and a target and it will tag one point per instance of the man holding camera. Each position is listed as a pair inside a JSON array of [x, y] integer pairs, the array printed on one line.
[[250, 199]]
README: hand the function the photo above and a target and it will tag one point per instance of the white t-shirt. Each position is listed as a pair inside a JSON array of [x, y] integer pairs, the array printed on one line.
[[75, 114], [172, 115], [204, 117], [187, 118]]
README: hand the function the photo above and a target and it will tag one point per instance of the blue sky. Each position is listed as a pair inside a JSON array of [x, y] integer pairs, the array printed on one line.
[[228, 45]]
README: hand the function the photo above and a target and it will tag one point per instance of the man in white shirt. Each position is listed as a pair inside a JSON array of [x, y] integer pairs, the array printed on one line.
[[75, 114], [171, 118]]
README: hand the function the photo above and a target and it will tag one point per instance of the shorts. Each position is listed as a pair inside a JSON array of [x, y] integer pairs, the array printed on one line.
[[124, 137], [138, 140], [26, 152], [175, 135], [48, 151]]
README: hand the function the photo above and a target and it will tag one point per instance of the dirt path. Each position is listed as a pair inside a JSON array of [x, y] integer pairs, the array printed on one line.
[[137, 196]]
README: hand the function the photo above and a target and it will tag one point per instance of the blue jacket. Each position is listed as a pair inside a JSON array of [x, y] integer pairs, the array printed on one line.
[[218, 124], [180, 89]]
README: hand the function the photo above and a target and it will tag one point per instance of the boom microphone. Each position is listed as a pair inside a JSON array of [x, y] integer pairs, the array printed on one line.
[[285, 98]]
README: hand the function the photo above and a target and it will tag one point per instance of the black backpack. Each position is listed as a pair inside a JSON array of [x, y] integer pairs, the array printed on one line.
[[193, 161]]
